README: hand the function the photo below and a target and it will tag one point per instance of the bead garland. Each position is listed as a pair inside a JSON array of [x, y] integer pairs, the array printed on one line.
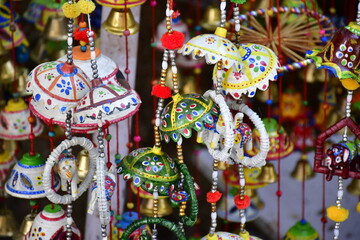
[[69, 205], [213, 203], [155, 213]]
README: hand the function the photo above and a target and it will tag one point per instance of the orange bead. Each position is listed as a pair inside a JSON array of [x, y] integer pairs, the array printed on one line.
[[31, 119]]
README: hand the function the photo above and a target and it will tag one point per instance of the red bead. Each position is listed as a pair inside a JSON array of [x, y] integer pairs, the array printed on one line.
[[322, 32], [129, 145], [108, 165], [137, 139], [323, 220], [153, 3], [31, 119], [279, 193], [126, 32], [127, 71], [31, 136]]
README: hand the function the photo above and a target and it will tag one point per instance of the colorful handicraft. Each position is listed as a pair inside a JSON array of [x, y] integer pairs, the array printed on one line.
[[302, 230], [50, 224], [340, 56], [13, 121], [259, 66]]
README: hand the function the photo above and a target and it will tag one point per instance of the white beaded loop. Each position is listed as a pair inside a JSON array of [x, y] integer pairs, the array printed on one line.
[[54, 158], [223, 154], [259, 159]]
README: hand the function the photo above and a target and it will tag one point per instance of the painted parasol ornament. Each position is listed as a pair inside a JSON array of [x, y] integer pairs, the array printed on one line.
[[150, 168], [184, 113], [260, 66], [215, 48]]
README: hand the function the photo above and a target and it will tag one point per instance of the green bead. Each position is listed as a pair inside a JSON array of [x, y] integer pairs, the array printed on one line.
[[117, 156], [118, 217], [153, 44], [305, 103], [32, 203], [108, 137]]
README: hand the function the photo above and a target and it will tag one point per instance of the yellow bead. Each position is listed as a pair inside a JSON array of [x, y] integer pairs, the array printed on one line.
[[337, 214], [130, 205]]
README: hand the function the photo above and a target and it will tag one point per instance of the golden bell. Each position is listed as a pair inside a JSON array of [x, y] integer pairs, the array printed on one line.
[[164, 208], [22, 74], [24, 227], [7, 223], [55, 29], [354, 187], [39, 54], [299, 173], [115, 23], [83, 163], [268, 174], [211, 19], [255, 199], [6, 71]]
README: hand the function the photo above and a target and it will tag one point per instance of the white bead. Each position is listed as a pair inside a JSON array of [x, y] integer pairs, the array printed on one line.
[[70, 41], [213, 215], [243, 220], [92, 55], [336, 232], [164, 65], [180, 141], [155, 195], [222, 6], [100, 124], [174, 69], [237, 27], [215, 174], [69, 221], [340, 194], [157, 122], [242, 182]]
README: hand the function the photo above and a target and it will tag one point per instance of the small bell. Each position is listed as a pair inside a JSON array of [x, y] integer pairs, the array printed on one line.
[[255, 199], [211, 19], [299, 173], [268, 174], [22, 74], [115, 23], [83, 163], [164, 208], [146, 207], [55, 29], [354, 187], [7, 223], [6, 71], [39, 53], [24, 227]]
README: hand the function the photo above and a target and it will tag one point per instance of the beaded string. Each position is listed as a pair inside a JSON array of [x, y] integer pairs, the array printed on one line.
[[69, 55], [69, 219], [222, 13], [117, 161], [242, 197], [279, 192], [153, 81], [358, 14], [155, 212], [237, 23], [340, 179], [31, 120], [213, 203]]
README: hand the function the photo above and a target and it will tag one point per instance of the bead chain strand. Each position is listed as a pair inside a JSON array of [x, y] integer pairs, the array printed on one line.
[[242, 194], [223, 13], [358, 15], [100, 139], [155, 212], [340, 179], [70, 38], [237, 23], [68, 206], [213, 190]]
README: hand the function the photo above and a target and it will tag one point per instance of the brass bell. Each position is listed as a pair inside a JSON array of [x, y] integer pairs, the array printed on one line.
[[6, 71], [24, 227], [268, 174], [83, 163], [211, 19], [222, 166], [39, 54], [253, 195], [55, 29], [115, 23], [7, 223], [164, 208], [22, 74], [354, 187], [302, 170]]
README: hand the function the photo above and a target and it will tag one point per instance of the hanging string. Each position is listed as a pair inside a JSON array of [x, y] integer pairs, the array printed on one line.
[[281, 59], [325, 107], [317, 17], [153, 4], [31, 120], [118, 178], [226, 192], [13, 55], [197, 17]]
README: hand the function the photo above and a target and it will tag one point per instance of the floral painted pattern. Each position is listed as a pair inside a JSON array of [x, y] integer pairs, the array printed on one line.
[[257, 64], [20, 125], [64, 86], [38, 234]]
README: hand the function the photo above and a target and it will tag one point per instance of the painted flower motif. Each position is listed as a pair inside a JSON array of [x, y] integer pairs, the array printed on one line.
[[64, 86], [38, 234], [49, 65], [257, 64], [39, 180], [49, 76], [19, 125], [210, 40], [345, 55]]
